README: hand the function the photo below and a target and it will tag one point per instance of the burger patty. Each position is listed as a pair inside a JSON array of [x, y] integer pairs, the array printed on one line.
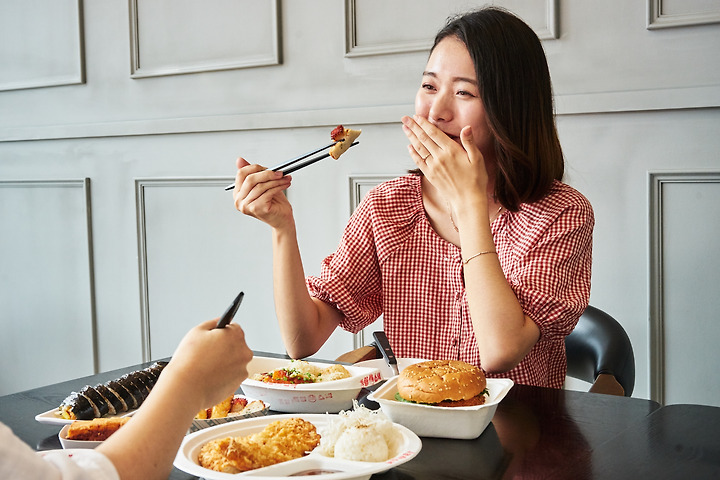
[[470, 402]]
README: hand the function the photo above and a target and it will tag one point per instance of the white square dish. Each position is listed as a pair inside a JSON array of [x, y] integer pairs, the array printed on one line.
[[442, 422], [321, 397]]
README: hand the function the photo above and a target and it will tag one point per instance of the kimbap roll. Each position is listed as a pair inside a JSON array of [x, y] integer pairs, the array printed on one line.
[[123, 393], [77, 407], [98, 401], [115, 403]]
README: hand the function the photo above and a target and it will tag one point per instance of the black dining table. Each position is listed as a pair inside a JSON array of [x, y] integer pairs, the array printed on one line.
[[536, 433]]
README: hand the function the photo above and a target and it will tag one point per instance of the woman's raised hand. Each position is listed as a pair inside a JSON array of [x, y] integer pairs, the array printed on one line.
[[259, 193], [452, 167]]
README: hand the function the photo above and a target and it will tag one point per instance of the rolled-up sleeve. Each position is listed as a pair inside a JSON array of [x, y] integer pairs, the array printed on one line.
[[552, 279]]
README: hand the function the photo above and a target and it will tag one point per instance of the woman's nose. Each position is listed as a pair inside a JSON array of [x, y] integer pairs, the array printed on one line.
[[440, 108]]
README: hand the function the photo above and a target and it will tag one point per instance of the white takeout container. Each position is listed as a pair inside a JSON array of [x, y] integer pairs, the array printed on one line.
[[67, 443], [321, 397], [187, 456], [442, 422]]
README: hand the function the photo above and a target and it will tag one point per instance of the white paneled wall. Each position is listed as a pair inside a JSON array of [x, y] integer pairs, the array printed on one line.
[[41, 44], [120, 122]]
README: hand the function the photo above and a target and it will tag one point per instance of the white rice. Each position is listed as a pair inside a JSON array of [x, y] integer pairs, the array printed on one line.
[[360, 434]]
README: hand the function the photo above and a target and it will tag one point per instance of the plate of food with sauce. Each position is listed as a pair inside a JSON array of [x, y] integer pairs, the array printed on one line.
[[299, 386]]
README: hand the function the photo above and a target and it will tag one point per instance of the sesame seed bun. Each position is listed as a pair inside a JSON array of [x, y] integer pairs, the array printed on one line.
[[442, 382]]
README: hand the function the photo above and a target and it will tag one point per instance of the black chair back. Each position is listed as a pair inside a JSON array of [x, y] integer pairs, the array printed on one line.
[[600, 345]]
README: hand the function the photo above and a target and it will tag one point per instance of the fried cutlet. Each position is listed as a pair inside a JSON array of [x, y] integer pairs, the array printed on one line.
[[280, 441]]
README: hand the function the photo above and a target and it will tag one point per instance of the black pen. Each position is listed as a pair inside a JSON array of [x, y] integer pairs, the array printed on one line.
[[231, 311]]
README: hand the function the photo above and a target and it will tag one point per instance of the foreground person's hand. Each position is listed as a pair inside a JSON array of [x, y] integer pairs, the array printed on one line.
[[208, 365]]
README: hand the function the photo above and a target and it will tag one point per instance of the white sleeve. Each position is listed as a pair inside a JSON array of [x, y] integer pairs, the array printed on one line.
[[18, 460], [81, 464]]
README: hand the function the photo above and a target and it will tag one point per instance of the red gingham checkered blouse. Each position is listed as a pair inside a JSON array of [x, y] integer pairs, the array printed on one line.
[[390, 261]]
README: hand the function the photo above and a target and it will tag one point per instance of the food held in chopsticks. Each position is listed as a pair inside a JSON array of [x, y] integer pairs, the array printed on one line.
[[113, 397], [97, 429], [361, 435], [344, 138], [300, 371], [278, 442], [234, 405], [442, 383]]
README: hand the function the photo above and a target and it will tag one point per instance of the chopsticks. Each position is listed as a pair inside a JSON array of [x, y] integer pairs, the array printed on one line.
[[290, 166], [230, 312], [302, 157]]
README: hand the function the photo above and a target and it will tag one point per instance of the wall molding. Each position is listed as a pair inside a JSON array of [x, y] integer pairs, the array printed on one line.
[[609, 102], [551, 29], [354, 48], [141, 186], [657, 181], [76, 77], [84, 185], [138, 69], [656, 19]]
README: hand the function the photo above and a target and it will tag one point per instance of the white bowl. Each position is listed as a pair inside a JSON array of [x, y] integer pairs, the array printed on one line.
[[443, 422], [187, 456], [67, 443], [321, 397]]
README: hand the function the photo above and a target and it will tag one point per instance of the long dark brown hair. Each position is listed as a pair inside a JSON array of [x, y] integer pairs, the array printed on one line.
[[516, 91]]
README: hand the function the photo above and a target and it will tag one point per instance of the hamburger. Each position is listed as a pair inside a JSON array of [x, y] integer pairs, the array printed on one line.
[[442, 383]]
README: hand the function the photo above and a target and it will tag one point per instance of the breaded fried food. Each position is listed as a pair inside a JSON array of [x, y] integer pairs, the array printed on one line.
[[222, 409], [280, 441], [98, 429], [251, 407], [233, 405]]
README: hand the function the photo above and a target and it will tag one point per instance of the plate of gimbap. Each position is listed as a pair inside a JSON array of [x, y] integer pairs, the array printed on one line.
[[120, 397], [54, 417]]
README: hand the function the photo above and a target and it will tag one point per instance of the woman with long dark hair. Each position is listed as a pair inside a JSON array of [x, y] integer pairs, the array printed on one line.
[[481, 254]]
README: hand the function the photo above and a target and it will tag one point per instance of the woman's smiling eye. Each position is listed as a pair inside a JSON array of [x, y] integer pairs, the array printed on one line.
[[465, 93], [427, 86]]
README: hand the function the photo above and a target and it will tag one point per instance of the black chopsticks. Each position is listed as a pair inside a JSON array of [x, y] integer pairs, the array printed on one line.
[[290, 166], [306, 163], [230, 312], [302, 157]]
